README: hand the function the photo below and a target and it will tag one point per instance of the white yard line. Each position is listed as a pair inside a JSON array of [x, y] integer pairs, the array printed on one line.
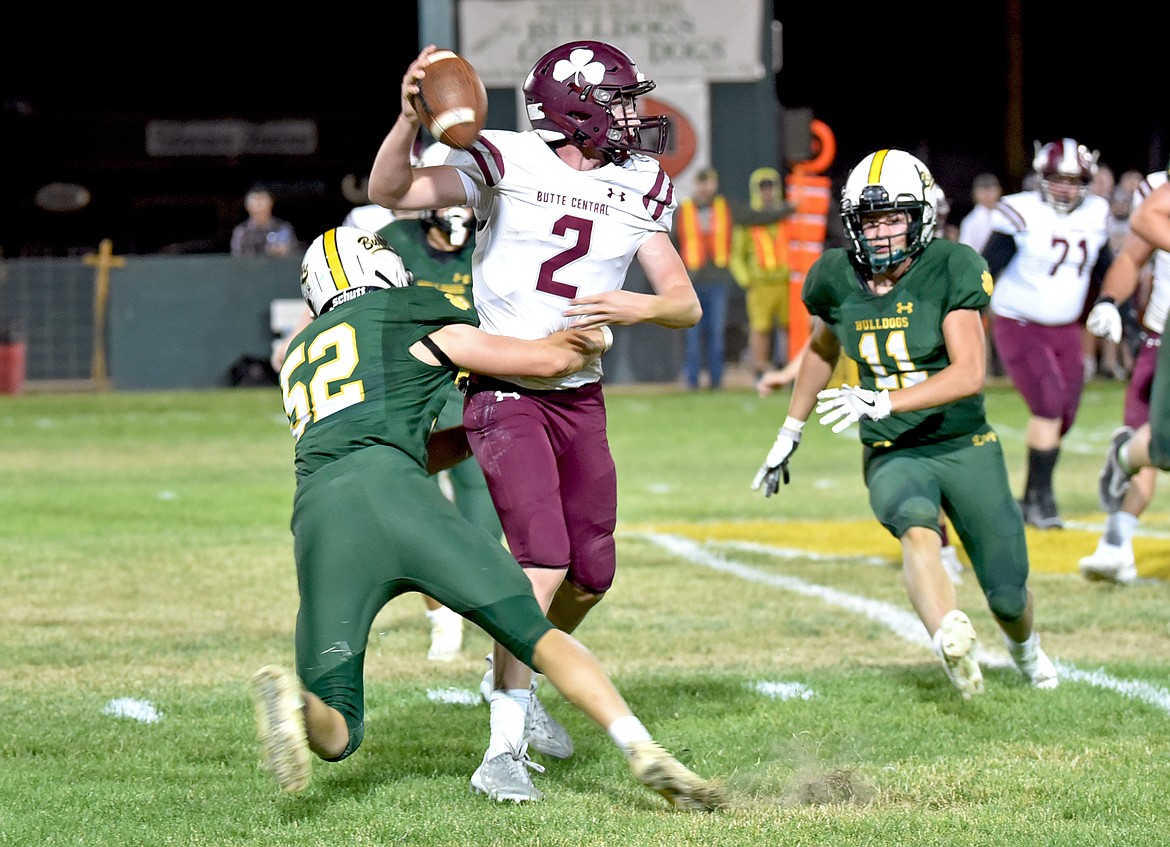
[[1099, 526], [902, 623]]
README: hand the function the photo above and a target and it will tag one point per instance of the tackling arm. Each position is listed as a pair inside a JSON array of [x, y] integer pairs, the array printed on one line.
[[673, 304], [556, 355]]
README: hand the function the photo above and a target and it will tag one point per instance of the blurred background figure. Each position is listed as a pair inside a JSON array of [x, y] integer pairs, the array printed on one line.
[[263, 234], [974, 230], [975, 227], [759, 264], [703, 228], [1103, 182], [943, 228]]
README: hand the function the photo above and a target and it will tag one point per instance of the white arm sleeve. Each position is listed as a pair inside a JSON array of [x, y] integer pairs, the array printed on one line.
[[471, 189]]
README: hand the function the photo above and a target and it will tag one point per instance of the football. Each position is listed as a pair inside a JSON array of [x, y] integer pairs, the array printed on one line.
[[452, 101]]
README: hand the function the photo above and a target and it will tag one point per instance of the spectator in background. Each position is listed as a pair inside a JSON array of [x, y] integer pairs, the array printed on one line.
[[262, 234], [1047, 248], [702, 230], [975, 227], [1130, 181], [759, 264], [1119, 207], [1104, 182], [943, 228], [1115, 359]]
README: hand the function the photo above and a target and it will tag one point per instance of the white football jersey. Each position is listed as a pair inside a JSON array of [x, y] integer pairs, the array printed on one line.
[[1047, 280], [1154, 318], [547, 233]]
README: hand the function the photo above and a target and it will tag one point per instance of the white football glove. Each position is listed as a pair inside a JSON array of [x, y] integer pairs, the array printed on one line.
[[848, 404], [775, 465], [1104, 320]]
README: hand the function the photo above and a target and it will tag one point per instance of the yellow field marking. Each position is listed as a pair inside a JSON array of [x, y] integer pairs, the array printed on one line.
[[1049, 551]]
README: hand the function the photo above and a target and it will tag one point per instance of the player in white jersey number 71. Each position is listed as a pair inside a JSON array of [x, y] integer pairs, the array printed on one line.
[[1047, 249]]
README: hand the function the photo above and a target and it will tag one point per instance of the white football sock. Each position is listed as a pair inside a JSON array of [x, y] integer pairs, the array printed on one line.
[[508, 708], [626, 731]]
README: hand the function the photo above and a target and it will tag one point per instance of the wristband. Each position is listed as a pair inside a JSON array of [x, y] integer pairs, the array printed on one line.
[[1106, 299], [792, 424], [607, 334]]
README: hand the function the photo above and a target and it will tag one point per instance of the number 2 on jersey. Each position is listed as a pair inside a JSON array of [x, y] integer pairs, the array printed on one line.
[[584, 230]]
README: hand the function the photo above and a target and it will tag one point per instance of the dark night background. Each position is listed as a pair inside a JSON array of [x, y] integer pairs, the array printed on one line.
[[928, 78]]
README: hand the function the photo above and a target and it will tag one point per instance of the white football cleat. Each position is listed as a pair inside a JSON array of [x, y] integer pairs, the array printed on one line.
[[1033, 662], [659, 771], [505, 777], [954, 643], [544, 733], [1109, 563], [280, 726]]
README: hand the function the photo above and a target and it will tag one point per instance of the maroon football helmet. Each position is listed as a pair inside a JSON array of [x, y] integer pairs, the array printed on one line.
[[1065, 170], [586, 91]]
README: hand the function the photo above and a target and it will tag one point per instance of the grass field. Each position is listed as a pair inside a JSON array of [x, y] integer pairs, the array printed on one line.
[[146, 563]]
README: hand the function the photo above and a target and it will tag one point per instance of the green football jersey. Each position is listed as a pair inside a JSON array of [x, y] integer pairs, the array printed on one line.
[[349, 380], [896, 338], [450, 272]]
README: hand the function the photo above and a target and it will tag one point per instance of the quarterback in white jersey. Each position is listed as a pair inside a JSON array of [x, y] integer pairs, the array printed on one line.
[[552, 234], [1113, 560], [1047, 248], [562, 211]]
